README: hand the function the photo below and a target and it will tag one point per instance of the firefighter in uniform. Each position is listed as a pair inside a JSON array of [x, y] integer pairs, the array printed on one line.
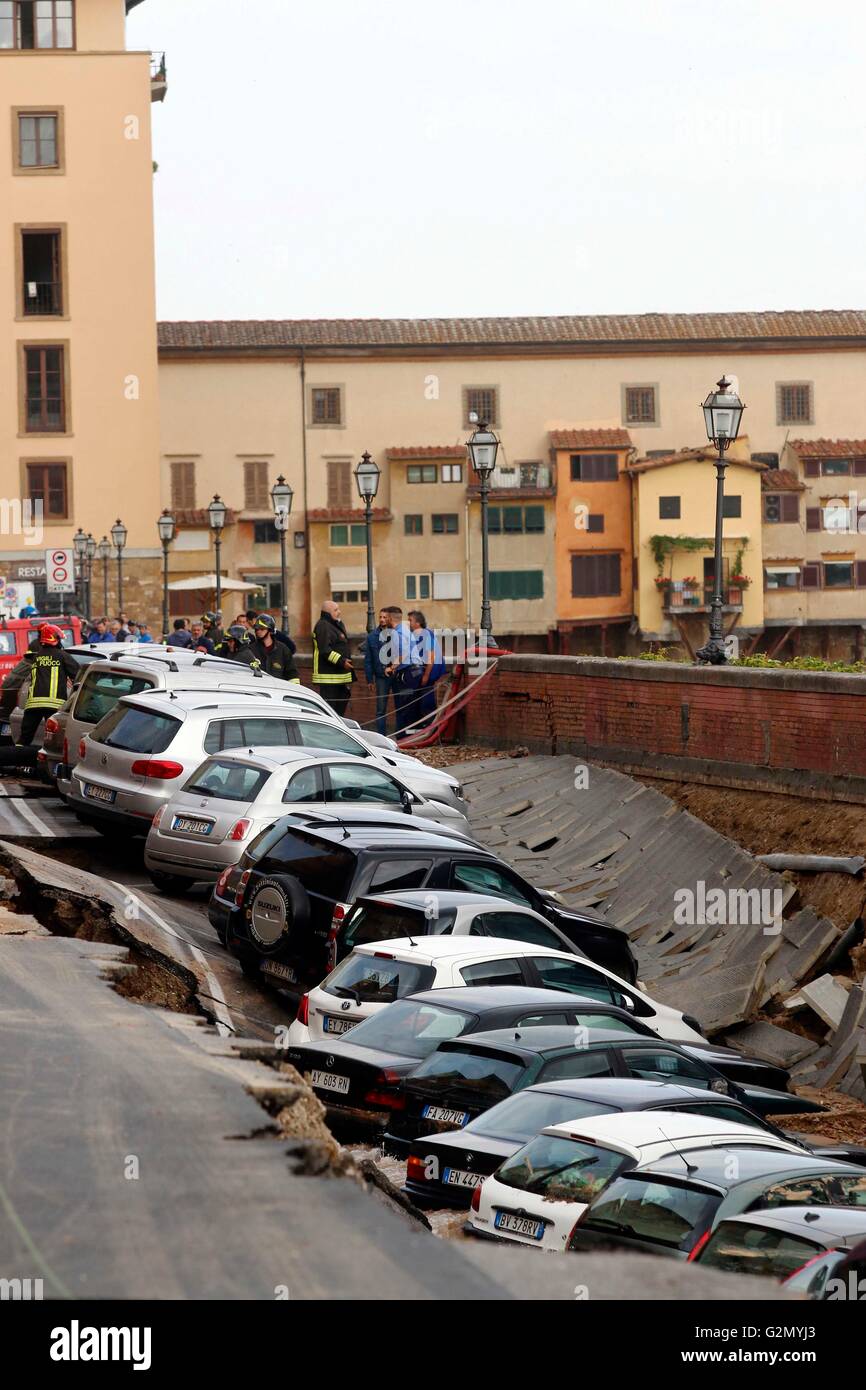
[[333, 672], [274, 651], [48, 668], [238, 647]]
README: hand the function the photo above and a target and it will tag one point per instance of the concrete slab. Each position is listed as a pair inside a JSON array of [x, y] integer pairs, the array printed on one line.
[[772, 1044], [827, 999]]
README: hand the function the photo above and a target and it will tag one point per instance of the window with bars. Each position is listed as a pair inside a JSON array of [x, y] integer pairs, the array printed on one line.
[[183, 484], [780, 507], [257, 497], [640, 405], [47, 485], [38, 145], [44, 389], [41, 285], [594, 468], [28, 24], [794, 405], [596, 576], [326, 405], [339, 483], [481, 402], [516, 584], [445, 524]]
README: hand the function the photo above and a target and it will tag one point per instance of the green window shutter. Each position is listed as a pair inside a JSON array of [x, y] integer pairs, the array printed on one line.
[[513, 518], [339, 535], [359, 534], [494, 520], [534, 518]]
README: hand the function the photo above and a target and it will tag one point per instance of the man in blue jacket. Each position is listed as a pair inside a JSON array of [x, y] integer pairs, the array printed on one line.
[[375, 668]]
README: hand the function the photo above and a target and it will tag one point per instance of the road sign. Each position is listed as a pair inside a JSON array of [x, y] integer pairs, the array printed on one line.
[[60, 571]]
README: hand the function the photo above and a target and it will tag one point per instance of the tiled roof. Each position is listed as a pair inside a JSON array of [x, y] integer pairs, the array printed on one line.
[[590, 439], [829, 448], [561, 330], [428, 451], [781, 480], [689, 456], [347, 514]]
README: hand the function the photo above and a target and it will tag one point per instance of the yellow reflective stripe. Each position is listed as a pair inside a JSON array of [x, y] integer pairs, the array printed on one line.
[[334, 657]]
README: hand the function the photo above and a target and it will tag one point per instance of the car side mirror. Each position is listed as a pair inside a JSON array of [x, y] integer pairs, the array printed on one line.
[[407, 801], [720, 1086], [626, 1002]]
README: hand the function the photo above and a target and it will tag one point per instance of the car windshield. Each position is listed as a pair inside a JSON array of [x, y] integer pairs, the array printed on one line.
[[561, 1169], [383, 922], [228, 779], [745, 1249], [410, 1028], [668, 1214], [136, 730], [525, 1114], [492, 1075], [377, 979]]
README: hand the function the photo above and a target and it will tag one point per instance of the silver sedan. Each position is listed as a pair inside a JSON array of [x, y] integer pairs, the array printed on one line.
[[207, 826]]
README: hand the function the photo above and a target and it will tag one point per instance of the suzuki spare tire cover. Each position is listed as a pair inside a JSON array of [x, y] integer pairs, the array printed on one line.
[[278, 907]]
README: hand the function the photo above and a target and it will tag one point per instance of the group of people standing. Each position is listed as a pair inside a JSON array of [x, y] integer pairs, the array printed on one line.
[[253, 640]]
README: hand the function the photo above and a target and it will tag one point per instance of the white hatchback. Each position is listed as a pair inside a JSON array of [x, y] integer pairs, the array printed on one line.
[[536, 1196], [372, 976]]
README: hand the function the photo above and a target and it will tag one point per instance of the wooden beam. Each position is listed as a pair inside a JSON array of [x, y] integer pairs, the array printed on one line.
[[777, 646], [683, 635]]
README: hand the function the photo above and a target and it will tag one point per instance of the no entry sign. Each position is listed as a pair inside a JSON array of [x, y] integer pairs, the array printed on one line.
[[60, 571]]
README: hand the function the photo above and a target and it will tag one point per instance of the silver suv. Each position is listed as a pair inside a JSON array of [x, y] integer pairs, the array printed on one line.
[[132, 763], [233, 796]]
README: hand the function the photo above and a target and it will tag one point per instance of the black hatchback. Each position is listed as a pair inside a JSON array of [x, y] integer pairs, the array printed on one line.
[[358, 1076], [280, 909]]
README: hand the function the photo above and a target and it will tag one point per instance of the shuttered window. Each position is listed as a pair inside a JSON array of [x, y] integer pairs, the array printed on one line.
[[339, 483], [780, 507], [595, 576], [861, 574], [813, 518], [811, 577], [326, 405], [594, 468], [183, 484], [257, 498], [516, 584]]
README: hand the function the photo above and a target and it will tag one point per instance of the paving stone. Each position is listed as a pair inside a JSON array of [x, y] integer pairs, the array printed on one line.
[[827, 999], [772, 1044]]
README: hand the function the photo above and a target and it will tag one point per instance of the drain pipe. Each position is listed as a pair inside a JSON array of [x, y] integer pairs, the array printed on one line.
[[307, 566]]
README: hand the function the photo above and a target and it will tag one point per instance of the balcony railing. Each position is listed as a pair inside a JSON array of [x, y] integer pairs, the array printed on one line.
[[681, 598], [158, 77], [42, 297], [524, 475]]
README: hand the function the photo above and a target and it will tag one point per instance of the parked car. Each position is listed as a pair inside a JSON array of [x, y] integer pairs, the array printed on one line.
[[804, 1246], [537, 1195], [132, 762], [467, 1078], [673, 1202], [233, 796], [459, 957], [358, 1074], [481, 1146], [302, 880]]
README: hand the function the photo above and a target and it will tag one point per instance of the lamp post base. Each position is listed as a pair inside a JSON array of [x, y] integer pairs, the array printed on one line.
[[712, 653]]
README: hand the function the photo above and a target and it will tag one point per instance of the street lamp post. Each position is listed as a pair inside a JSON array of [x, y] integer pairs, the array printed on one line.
[[79, 547], [217, 514], [90, 552], [119, 534], [483, 447], [103, 550], [166, 529], [281, 499], [367, 475], [723, 411]]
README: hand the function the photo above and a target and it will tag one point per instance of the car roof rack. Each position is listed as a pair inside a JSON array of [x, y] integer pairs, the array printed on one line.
[[203, 660], [160, 660]]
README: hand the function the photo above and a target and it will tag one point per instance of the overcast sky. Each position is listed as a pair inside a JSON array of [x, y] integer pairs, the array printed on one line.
[[363, 158]]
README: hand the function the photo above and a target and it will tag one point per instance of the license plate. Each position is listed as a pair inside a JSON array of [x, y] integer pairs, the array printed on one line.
[[5, 729], [98, 793], [519, 1225], [326, 1081], [456, 1177], [337, 1025], [279, 971], [457, 1118], [192, 827]]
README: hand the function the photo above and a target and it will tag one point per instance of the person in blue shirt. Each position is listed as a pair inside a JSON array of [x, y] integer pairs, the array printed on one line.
[[426, 666], [398, 654], [375, 668], [144, 633]]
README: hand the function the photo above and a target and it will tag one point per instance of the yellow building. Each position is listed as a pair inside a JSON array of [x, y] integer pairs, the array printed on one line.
[[674, 506], [79, 438]]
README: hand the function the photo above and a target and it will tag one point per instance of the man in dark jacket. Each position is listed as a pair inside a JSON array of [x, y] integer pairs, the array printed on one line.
[[275, 655], [333, 671], [212, 624], [238, 647], [179, 637], [376, 659], [49, 669]]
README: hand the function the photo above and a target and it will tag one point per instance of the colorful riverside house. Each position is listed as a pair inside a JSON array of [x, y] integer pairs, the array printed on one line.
[[673, 508]]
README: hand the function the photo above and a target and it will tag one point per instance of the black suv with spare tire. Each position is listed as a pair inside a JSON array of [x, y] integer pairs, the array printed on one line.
[[281, 908]]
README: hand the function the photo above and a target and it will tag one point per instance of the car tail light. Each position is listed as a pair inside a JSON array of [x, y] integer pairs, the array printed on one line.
[[475, 1204], [52, 726], [384, 1092], [239, 830], [303, 1015], [815, 1259], [416, 1169], [82, 750], [241, 886], [222, 880], [338, 917], [157, 817], [160, 769], [696, 1249]]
